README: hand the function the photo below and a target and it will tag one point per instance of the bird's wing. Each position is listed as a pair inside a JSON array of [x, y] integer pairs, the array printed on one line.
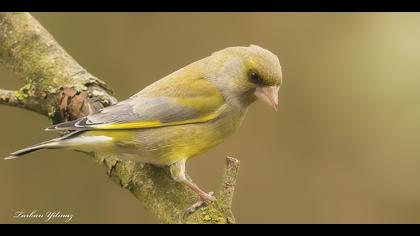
[[193, 105]]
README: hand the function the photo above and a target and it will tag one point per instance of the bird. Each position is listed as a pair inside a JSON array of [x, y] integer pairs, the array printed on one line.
[[179, 116]]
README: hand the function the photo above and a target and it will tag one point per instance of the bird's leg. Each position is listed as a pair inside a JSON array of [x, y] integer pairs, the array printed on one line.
[[178, 174]]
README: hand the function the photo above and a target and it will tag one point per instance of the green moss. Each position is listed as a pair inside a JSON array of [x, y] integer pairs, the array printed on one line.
[[124, 171], [52, 90], [211, 215], [109, 162], [20, 95]]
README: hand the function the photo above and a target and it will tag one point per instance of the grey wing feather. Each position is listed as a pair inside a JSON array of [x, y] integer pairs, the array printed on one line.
[[138, 108]]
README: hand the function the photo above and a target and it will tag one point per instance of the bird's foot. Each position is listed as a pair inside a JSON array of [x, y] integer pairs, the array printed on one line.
[[207, 197], [204, 199]]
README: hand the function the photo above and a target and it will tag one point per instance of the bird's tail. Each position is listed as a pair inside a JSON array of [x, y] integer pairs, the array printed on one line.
[[50, 144], [45, 145]]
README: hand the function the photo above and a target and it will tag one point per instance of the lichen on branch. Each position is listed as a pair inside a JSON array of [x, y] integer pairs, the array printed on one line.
[[47, 70]]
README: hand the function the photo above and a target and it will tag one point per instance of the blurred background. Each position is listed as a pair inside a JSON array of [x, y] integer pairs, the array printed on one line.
[[343, 147]]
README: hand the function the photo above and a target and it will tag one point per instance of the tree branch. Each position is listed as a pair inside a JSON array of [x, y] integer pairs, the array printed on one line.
[[229, 181], [58, 87], [11, 98]]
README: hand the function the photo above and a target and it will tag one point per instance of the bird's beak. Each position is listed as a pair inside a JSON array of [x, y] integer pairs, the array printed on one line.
[[269, 95]]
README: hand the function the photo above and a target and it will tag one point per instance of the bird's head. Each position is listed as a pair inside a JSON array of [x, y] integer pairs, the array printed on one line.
[[245, 74]]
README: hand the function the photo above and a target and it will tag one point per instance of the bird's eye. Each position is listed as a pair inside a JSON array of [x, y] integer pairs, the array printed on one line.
[[254, 77]]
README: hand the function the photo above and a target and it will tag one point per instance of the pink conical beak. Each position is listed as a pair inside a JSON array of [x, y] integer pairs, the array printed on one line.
[[269, 95]]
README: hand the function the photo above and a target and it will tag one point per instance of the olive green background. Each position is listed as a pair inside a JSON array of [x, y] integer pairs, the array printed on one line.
[[343, 147]]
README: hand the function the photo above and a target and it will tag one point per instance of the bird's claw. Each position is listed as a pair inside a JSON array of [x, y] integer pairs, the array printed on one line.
[[207, 197], [204, 199]]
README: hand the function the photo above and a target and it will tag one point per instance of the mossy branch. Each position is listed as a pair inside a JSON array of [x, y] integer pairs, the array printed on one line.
[[15, 99], [59, 88]]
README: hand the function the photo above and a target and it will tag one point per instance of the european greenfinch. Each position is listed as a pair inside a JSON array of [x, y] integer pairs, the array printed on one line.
[[180, 115]]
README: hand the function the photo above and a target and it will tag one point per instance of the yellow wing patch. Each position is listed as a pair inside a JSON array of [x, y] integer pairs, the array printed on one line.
[[154, 124]]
